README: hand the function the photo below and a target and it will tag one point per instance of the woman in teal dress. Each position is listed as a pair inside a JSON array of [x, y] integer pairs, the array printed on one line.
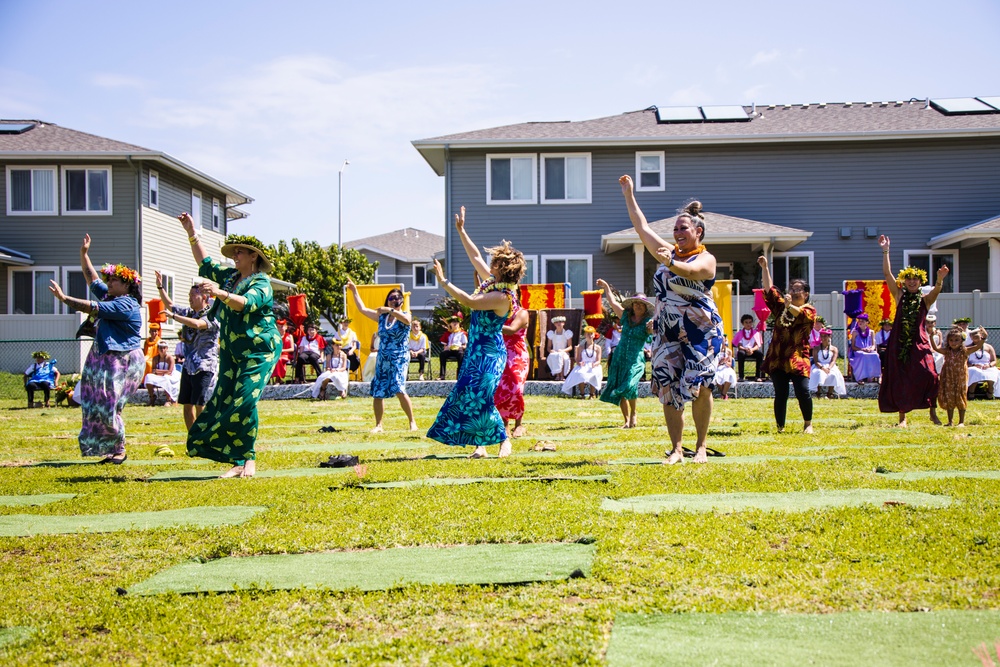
[[629, 362], [469, 415], [249, 345]]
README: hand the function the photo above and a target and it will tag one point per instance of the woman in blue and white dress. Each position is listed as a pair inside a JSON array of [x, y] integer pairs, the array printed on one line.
[[825, 373], [393, 353], [687, 334]]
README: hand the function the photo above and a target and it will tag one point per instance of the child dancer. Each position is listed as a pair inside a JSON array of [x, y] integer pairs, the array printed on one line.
[[628, 363], [955, 372]]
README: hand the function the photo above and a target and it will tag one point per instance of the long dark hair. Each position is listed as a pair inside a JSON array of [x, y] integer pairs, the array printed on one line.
[[395, 290]]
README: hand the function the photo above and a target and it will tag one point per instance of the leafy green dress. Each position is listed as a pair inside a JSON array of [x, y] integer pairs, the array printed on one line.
[[627, 363], [249, 345]]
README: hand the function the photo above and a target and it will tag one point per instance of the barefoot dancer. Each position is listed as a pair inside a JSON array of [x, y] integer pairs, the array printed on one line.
[[688, 333], [909, 379], [249, 345], [393, 353], [628, 363], [955, 372], [469, 415]]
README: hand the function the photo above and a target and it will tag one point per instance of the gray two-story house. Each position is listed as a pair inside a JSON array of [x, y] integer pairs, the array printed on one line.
[[60, 184], [811, 185]]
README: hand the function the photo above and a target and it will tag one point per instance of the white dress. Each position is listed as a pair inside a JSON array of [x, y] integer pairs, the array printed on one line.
[[938, 357], [584, 373], [834, 378], [558, 361], [977, 375], [724, 373], [335, 373], [368, 371], [168, 383]]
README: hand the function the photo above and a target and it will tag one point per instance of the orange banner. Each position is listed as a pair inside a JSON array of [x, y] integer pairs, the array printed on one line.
[[540, 297], [877, 300]]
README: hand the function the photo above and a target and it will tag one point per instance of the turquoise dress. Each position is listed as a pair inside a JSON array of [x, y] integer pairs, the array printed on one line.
[[469, 415], [393, 358], [628, 362]]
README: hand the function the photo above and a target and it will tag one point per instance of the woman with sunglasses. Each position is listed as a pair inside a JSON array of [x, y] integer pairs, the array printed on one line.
[[393, 353]]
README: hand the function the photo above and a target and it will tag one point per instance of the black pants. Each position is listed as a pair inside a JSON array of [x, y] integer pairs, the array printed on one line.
[[421, 360], [741, 357], [801, 385], [353, 362], [457, 355], [32, 387], [307, 358]]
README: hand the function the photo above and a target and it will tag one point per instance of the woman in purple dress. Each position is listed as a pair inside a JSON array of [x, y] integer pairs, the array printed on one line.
[[865, 363]]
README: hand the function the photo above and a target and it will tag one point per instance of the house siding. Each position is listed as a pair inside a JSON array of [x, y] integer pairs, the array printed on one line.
[[911, 190], [175, 197]]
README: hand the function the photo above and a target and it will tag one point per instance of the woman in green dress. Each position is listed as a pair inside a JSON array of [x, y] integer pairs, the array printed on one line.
[[628, 362], [249, 345]]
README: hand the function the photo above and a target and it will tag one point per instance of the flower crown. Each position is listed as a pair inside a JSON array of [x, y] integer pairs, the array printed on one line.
[[240, 239], [912, 272], [121, 272], [42, 354]]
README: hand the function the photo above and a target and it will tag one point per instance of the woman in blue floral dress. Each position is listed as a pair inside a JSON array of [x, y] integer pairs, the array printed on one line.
[[393, 353], [469, 415]]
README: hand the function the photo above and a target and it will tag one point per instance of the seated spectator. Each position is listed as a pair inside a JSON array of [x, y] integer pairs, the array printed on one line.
[[454, 346], [308, 352], [368, 372], [725, 376], [40, 375], [335, 372], [419, 346], [983, 368], [349, 343], [748, 343], [865, 363], [814, 336], [587, 374], [179, 353], [882, 337], [287, 353], [560, 349], [825, 373], [610, 341], [934, 334], [164, 375]]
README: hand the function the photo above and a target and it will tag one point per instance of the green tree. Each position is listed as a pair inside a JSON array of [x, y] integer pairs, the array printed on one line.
[[321, 273]]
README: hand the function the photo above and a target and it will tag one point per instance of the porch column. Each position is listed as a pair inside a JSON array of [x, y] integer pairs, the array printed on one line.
[[994, 269], [640, 271]]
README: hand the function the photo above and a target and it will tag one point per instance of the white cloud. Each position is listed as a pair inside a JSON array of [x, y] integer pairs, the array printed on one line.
[[764, 57], [110, 80], [692, 95]]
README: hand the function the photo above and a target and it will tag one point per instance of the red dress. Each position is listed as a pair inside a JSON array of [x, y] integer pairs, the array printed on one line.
[[509, 397], [913, 384], [280, 369]]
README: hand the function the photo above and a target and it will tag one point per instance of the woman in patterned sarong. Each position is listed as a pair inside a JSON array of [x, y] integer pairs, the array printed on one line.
[[249, 345], [687, 333]]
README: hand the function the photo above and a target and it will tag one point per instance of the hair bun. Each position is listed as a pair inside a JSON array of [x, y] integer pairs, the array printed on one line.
[[693, 208]]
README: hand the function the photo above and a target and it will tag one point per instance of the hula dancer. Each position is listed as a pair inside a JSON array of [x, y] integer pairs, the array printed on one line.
[[626, 367]]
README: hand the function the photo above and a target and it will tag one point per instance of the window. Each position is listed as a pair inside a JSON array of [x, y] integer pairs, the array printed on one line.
[[424, 276], [168, 284], [786, 266], [31, 191], [932, 260], [196, 208], [87, 190], [566, 178], [154, 189], [216, 215], [510, 179], [530, 270], [649, 171], [29, 291], [573, 269]]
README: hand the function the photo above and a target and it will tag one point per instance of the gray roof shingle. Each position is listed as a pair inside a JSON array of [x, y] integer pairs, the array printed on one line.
[[408, 244], [49, 138]]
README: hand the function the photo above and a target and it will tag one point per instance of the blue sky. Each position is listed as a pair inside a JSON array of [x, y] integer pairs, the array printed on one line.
[[272, 97]]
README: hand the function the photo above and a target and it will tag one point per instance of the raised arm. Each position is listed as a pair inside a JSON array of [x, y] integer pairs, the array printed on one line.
[[938, 285], [194, 236], [616, 306], [164, 297], [765, 273], [890, 280], [478, 263], [654, 244], [88, 269], [362, 308], [495, 301], [934, 345]]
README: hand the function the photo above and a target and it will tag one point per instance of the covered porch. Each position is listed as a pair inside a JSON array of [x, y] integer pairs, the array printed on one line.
[[985, 232]]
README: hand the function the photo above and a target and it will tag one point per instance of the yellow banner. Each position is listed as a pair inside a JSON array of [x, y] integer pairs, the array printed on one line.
[[722, 294], [373, 297]]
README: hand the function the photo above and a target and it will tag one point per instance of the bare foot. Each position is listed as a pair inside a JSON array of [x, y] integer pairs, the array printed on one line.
[[902, 424], [480, 453], [700, 455], [676, 456], [377, 429], [633, 422], [249, 468], [235, 471], [960, 425], [519, 431], [781, 429], [808, 429], [413, 426], [625, 425], [936, 421], [505, 449]]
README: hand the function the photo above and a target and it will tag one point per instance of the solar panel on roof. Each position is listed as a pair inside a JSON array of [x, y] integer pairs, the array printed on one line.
[[678, 114], [732, 112], [15, 128], [992, 101], [960, 105]]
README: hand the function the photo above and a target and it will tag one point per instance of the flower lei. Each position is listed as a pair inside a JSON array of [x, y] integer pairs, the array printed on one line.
[[911, 272], [907, 312], [491, 285], [121, 272], [690, 253]]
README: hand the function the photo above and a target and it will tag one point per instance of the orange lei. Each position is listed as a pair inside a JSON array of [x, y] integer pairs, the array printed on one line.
[[690, 253]]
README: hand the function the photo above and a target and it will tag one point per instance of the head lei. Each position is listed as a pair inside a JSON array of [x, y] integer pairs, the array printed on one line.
[[912, 272], [122, 272], [41, 354]]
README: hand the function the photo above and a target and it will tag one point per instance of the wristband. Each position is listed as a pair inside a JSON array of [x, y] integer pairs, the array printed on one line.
[[194, 238]]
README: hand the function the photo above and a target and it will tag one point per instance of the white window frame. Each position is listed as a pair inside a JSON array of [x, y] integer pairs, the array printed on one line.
[[638, 171], [801, 253], [489, 180], [64, 189], [64, 281], [30, 269], [154, 177], [532, 278], [428, 274], [590, 178], [543, 259], [932, 253], [33, 168], [216, 214], [196, 210]]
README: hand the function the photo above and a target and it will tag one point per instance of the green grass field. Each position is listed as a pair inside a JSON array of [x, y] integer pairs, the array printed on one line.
[[896, 558]]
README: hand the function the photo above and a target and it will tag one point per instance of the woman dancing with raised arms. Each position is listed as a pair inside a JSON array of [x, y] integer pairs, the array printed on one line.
[[469, 415], [628, 363], [909, 378], [688, 331], [393, 353]]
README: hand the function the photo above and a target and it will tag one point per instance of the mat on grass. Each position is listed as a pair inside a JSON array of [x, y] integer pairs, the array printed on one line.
[[14, 635], [349, 447], [793, 501], [723, 459], [458, 481], [25, 525], [201, 475], [568, 452], [37, 499], [852, 638], [943, 474], [130, 462], [379, 570]]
